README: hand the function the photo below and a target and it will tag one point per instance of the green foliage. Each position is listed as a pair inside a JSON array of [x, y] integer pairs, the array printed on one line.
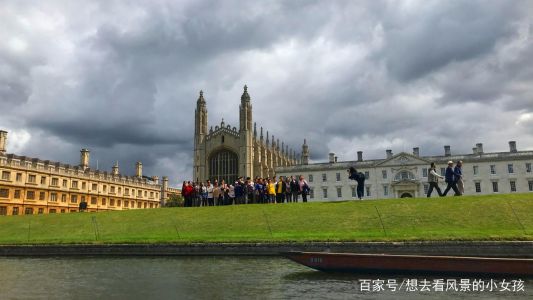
[[174, 201], [494, 217]]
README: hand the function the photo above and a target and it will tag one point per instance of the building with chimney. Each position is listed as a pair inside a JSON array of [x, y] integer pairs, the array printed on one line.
[[35, 186], [226, 152], [405, 174]]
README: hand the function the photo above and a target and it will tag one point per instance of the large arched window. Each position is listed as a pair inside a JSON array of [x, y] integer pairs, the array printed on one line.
[[404, 175], [224, 164]]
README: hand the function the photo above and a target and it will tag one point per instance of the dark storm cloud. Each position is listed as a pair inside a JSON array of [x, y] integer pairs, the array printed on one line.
[[122, 78]]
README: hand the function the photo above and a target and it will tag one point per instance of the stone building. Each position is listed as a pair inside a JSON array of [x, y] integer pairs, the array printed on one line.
[[34, 186], [405, 174], [226, 152]]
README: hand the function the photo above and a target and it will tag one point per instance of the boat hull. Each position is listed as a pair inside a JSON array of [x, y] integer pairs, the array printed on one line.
[[384, 263]]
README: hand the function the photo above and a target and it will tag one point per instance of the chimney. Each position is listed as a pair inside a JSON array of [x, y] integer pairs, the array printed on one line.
[[155, 179], [331, 158], [139, 169], [474, 150], [359, 155], [512, 146], [335, 158], [389, 153], [479, 148], [3, 141], [84, 159], [416, 151], [447, 151]]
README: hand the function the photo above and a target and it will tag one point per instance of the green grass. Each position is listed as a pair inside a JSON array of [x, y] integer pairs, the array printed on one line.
[[494, 217]]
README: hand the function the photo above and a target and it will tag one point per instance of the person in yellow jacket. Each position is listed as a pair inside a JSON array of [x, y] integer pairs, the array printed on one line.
[[271, 191]]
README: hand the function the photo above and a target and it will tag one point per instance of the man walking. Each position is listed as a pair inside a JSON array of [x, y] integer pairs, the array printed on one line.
[[458, 172], [450, 180], [433, 180]]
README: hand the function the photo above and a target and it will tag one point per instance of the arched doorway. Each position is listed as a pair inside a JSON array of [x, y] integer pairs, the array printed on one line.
[[406, 195], [224, 164]]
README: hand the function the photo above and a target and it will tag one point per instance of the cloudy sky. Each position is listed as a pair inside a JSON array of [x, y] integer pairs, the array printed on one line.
[[122, 77]]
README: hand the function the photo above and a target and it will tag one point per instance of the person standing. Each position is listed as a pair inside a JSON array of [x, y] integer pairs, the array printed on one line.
[[216, 194], [271, 191], [433, 180], [249, 190], [280, 190], [295, 189], [231, 195], [203, 189], [450, 180], [458, 172], [210, 200], [239, 191], [288, 193], [304, 188], [360, 179]]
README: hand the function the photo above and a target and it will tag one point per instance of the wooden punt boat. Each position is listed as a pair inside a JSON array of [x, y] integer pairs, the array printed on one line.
[[380, 263]]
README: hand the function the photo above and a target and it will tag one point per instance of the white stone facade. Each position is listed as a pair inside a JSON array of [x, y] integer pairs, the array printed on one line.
[[405, 174]]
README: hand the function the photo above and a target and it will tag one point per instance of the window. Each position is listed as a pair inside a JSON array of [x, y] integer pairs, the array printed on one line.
[[513, 186], [53, 197], [17, 194], [32, 179], [145, 205], [495, 186], [152, 205], [139, 204], [52, 211], [384, 174], [83, 185], [6, 175], [30, 195], [43, 179], [324, 177], [339, 192], [112, 189], [132, 204], [338, 175], [367, 175], [478, 187], [93, 200], [368, 191], [442, 171], [40, 211], [528, 167], [510, 168], [119, 202], [94, 187], [74, 199], [126, 192], [385, 190], [15, 211], [475, 169], [28, 211], [145, 193], [530, 183], [354, 193], [140, 194], [74, 184], [126, 203], [3, 211], [55, 181], [325, 193], [424, 172], [492, 169], [119, 190], [426, 188], [82, 198], [111, 202], [19, 177], [63, 198], [104, 188], [151, 194], [103, 201], [63, 211], [4, 193], [64, 183], [41, 195], [404, 175]]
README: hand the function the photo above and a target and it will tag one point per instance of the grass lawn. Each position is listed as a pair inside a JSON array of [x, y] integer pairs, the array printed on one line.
[[494, 217]]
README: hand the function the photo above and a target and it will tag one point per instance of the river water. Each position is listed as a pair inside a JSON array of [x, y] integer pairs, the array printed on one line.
[[227, 278]]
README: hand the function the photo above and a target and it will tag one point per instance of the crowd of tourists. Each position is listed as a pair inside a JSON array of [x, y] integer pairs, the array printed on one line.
[[245, 191]]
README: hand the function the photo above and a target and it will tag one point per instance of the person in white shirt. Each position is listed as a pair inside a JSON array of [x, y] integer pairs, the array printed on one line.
[[433, 180], [210, 200]]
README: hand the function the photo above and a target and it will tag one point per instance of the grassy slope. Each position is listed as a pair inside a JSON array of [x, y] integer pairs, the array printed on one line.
[[495, 217]]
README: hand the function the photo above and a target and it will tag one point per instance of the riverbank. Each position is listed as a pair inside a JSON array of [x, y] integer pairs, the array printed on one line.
[[522, 249], [470, 218]]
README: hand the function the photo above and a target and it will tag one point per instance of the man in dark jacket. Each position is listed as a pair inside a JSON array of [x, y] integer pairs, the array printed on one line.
[[360, 178], [295, 188], [449, 177]]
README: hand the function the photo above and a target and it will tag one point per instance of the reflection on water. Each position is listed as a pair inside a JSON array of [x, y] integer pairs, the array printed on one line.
[[203, 278]]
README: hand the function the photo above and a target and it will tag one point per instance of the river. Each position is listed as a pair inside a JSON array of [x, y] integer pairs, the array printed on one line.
[[225, 278]]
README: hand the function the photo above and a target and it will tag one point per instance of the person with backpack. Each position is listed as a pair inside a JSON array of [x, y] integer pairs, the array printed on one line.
[[304, 188]]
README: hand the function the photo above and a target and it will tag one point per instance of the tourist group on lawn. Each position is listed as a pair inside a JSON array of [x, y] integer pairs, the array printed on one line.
[[245, 191], [453, 178]]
